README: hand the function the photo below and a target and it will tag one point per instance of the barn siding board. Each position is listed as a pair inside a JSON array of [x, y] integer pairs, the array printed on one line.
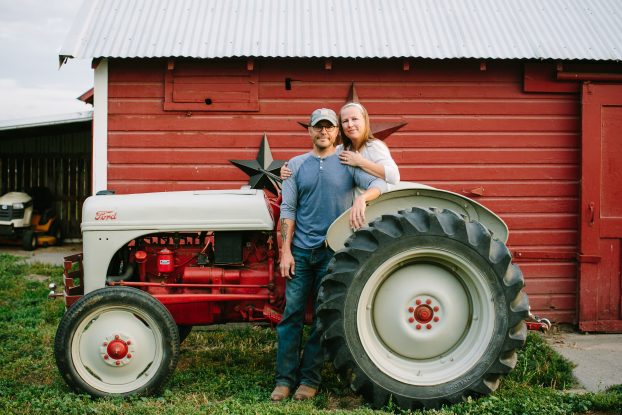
[[479, 172], [549, 270], [540, 188], [404, 107], [467, 129], [173, 155], [469, 139], [195, 120]]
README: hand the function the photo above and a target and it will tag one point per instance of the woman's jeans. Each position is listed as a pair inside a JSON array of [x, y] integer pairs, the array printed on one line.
[[291, 368]]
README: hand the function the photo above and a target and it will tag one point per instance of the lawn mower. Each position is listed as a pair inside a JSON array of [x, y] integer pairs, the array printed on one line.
[[30, 219]]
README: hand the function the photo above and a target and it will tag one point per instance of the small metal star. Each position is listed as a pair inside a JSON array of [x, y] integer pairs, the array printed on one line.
[[264, 171]]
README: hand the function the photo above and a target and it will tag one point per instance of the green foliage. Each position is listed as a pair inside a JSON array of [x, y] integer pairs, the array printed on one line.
[[231, 371], [610, 400], [539, 365]]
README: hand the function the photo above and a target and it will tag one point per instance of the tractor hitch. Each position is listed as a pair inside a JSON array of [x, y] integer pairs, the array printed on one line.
[[538, 323]]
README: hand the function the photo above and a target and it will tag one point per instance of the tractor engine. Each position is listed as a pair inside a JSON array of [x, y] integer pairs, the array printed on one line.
[[204, 277]]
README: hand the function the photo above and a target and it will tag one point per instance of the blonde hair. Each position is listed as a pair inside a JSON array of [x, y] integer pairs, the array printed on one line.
[[367, 134]]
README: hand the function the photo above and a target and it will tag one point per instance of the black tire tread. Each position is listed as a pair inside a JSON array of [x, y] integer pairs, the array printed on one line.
[[418, 221]]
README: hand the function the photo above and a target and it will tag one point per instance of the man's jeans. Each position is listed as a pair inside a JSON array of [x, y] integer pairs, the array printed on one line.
[[311, 267]]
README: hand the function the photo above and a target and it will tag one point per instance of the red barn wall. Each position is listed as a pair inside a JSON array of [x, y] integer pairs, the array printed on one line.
[[471, 129]]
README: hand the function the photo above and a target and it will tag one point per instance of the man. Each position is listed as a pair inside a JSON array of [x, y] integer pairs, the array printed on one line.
[[320, 189]]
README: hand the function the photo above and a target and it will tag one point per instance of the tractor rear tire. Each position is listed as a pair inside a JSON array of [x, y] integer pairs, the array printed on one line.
[[423, 308], [116, 341], [29, 240]]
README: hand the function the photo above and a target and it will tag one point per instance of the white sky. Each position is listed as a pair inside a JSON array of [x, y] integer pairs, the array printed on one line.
[[31, 85]]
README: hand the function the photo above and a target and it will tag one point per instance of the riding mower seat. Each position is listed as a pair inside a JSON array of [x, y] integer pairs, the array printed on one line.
[[43, 205], [46, 224]]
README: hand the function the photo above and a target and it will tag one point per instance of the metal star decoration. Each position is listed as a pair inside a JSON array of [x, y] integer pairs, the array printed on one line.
[[378, 130], [264, 171]]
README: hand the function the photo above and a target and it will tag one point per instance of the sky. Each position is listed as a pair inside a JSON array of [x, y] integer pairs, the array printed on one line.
[[31, 83]]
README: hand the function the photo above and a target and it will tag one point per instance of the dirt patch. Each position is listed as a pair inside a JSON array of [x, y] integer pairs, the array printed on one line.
[[37, 277]]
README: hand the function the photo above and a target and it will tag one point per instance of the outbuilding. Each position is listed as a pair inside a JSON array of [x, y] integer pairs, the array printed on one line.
[[515, 104], [53, 152]]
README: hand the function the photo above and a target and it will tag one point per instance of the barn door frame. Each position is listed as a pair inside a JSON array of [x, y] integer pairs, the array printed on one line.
[[600, 291]]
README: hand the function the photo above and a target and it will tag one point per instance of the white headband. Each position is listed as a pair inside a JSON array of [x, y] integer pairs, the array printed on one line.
[[355, 104]]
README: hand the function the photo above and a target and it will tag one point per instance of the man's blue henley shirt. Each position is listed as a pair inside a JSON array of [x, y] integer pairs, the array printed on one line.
[[319, 191]]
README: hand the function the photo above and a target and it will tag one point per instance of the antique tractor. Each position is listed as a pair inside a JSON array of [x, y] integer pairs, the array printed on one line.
[[422, 305]]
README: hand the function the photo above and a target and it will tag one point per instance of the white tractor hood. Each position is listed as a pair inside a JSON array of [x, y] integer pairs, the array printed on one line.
[[243, 209]]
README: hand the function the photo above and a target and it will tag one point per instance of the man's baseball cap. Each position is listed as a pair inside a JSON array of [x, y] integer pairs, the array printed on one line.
[[323, 114]]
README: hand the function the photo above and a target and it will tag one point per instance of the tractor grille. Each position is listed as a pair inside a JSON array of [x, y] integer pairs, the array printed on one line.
[[8, 213]]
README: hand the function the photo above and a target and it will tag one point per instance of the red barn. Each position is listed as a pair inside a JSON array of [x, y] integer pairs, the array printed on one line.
[[515, 104]]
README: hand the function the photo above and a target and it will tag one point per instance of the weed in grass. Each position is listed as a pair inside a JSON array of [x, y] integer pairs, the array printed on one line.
[[539, 365]]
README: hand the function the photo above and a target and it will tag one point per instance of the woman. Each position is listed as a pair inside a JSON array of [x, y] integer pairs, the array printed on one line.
[[359, 147]]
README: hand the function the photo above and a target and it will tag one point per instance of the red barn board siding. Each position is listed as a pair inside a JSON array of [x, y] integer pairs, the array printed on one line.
[[468, 130]]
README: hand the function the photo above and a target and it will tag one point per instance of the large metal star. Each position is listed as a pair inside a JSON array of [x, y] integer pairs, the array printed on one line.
[[378, 130], [264, 171]]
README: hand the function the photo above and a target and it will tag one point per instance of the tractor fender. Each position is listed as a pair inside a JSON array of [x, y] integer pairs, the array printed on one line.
[[410, 194]]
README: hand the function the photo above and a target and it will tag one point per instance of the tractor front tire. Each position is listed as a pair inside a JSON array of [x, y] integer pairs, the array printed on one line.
[[116, 341], [423, 308]]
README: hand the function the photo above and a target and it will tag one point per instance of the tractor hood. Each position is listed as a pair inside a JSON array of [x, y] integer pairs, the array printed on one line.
[[244, 209]]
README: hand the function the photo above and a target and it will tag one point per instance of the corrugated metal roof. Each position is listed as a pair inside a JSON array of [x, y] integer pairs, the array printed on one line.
[[46, 120], [495, 29]]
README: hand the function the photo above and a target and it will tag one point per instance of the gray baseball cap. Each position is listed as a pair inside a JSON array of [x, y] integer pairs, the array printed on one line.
[[323, 114]]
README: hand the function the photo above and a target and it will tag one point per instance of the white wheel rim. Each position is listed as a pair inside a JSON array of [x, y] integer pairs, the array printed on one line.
[[137, 364], [406, 291]]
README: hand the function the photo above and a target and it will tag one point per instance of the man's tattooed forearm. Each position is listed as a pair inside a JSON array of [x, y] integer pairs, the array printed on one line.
[[284, 228]]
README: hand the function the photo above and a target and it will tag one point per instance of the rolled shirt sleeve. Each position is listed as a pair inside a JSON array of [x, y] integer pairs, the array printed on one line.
[[379, 153], [365, 180], [289, 194]]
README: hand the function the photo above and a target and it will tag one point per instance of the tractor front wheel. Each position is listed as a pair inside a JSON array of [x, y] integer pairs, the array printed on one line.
[[29, 240], [423, 308], [116, 341]]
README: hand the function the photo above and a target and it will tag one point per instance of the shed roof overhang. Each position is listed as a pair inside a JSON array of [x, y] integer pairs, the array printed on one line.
[[445, 29]]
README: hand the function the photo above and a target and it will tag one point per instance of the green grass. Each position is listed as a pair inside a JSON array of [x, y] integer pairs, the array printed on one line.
[[225, 371]]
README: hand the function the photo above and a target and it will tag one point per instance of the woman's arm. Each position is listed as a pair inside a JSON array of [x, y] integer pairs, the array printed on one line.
[[378, 161]]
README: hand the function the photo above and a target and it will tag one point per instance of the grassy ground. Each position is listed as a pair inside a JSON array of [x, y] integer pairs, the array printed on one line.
[[226, 371]]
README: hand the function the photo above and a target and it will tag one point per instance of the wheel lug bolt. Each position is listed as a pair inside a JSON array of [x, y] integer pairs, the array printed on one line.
[[411, 309], [129, 356], [436, 319], [428, 326], [105, 343], [117, 363], [418, 326], [105, 357], [128, 342], [436, 308], [411, 320], [428, 301], [418, 302]]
